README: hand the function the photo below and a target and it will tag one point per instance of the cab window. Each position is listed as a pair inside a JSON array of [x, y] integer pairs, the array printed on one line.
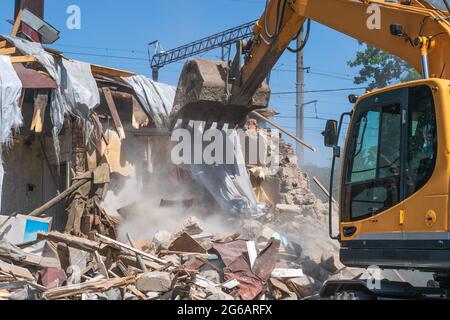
[[422, 139], [374, 179]]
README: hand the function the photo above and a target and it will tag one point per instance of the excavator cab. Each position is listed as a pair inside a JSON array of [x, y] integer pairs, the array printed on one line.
[[394, 200]]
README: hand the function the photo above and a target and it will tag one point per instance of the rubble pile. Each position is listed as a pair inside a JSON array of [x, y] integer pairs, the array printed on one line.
[[189, 265], [283, 254], [300, 221]]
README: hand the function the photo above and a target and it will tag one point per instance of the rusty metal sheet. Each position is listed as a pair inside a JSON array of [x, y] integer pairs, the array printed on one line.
[[32, 79], [280, 285], [194, 263], [52, 278], [250, 286], [230, 251], [267, 260], [185, 243]]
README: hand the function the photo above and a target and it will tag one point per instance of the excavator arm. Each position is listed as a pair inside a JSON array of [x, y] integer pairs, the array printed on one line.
[[412, 30], [369, 22]]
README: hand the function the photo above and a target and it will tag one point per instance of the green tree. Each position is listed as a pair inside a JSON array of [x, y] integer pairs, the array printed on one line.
[[380, 69]]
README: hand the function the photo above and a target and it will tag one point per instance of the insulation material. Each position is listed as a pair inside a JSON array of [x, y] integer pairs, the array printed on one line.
[[10, 113], [229, 184], [77, 91], [156, 98]]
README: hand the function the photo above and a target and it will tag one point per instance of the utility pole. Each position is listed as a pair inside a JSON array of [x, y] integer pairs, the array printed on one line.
[[300, 103]]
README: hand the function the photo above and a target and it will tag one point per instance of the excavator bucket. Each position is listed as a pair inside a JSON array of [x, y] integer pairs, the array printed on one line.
[[203, 94]]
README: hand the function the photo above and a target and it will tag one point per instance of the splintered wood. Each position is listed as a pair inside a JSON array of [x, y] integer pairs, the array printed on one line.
[[114, 113], [40, 104], [89, 287]]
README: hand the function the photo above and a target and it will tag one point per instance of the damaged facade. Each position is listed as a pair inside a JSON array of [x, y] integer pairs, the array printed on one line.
[[64, 128]]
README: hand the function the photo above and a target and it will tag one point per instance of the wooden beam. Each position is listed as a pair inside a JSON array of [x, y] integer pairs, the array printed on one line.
[[2, 225], [73, 242], [40, 211], [40, 104], [323, 189], [8, 51], [114, 113], [110, 72], [139, 117], [23, 59], [22, 98], [261, 117], [127, 247], [17, 23], [3, 44], [89, 287]]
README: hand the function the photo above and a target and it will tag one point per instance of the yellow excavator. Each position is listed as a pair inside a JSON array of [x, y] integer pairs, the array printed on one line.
[[395, 179]]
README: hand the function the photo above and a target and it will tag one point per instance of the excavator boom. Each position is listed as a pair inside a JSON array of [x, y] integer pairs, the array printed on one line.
[[412, 30]]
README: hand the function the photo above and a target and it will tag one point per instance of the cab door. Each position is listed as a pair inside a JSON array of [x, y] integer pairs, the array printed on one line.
[[426, 179], [373, 184]]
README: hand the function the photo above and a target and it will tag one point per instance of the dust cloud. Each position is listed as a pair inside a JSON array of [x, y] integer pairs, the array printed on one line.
[[142, 215]]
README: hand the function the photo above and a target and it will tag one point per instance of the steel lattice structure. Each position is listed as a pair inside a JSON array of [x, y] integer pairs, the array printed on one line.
[[219, 40]]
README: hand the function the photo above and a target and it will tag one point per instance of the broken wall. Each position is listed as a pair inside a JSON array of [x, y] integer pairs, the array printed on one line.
[[31, 167], [23, 179], [32, 177]]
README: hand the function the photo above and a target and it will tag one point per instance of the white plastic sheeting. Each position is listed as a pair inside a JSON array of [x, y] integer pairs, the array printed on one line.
[[77, 91], [156, 98], [10, 113], [10, 93], [228, 184]]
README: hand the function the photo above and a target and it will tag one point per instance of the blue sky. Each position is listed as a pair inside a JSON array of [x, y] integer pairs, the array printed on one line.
[[124, 28]]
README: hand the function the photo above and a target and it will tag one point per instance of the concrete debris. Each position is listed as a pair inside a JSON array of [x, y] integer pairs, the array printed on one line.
[[220, 296], [154, 282], [192, 226], [162, 240], [287, 273], [211, 275]]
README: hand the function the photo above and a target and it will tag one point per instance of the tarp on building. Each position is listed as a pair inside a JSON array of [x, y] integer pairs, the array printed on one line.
[[10, 113], [77, 93], [156, 98], [228, 183]]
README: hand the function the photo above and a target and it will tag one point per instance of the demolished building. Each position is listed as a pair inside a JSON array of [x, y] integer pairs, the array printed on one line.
[[74, 135]]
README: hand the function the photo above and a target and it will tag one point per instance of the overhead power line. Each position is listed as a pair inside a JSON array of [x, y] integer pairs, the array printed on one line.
[[106, 49], [320, 90], [106, 56]]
